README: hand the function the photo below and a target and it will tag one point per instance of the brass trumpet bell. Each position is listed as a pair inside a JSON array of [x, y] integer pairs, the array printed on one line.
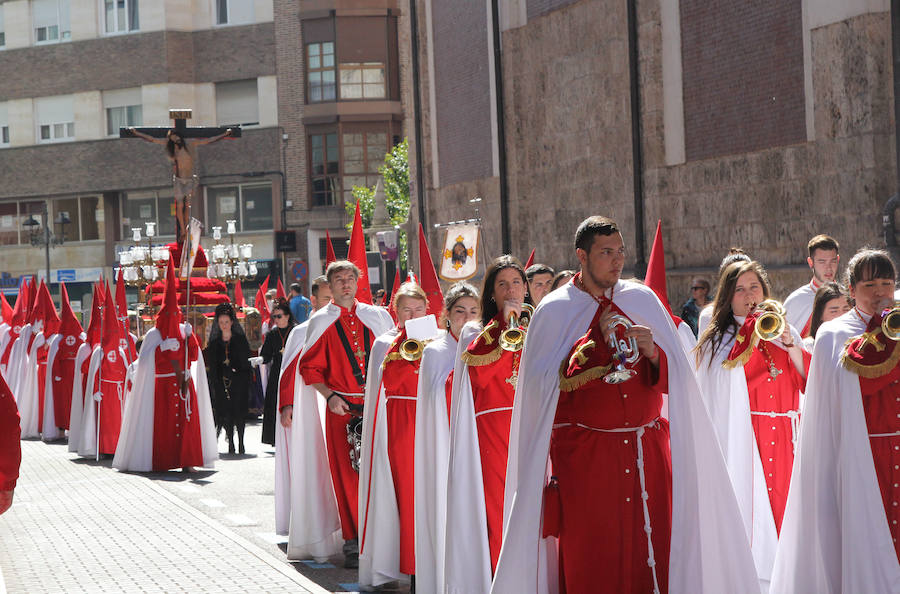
[[890, 323], [513, 338], [411, 349], [771, 323]]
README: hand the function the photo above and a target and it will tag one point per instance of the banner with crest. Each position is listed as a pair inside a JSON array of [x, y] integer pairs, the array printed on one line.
[[459, 258]]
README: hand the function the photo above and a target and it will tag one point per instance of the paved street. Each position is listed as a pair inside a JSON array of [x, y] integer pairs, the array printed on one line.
[[79, 526]]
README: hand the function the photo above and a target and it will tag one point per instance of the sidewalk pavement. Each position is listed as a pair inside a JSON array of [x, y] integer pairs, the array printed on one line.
[[76, 526]]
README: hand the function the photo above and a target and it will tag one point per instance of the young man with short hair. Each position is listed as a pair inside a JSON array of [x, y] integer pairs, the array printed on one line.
[[540, 278], [300, 305], [823, 260]]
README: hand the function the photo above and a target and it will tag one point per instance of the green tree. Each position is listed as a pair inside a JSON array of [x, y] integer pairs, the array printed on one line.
[[395, 181]]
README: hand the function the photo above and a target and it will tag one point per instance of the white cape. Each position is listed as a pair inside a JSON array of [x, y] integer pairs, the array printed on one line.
[[315, 529], [87, 443], [135, 448], [799, 306], [292, 349], [5, 333], [379, 518], [432, 460], [709, 549], [76, 412], [835, 535], [727, 400], [50, 429], [27, 395]]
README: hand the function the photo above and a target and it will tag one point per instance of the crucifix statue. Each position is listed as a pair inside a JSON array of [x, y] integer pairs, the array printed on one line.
[[180, 151]]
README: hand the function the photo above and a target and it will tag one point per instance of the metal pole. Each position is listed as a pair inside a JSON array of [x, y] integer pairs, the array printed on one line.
[[637, 156], [501, 130], [417, 113], [47, 241]]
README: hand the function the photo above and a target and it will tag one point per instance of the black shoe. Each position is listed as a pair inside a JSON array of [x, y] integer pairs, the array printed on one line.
[[230, 447], [241, 449]]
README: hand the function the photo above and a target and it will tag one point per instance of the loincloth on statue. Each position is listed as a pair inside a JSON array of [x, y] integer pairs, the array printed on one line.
[[184, 187]]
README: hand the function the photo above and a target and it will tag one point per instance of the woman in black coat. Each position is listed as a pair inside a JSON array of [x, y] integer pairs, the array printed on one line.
[[227, 357], [271, 352]]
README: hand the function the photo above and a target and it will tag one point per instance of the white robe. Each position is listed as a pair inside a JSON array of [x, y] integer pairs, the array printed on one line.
[[292, 349], [379, 518], [835, 535], [87, 443], [315, 529], [18, 358], [28, 397], [709, 549], [799, 306], [704, 318], [4, 340], [134, 452], [727, 400], [76, 416], [432, 459], [50, 430]]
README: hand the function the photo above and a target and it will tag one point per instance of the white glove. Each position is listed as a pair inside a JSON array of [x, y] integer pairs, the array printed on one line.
[[256, 361], [188, 330], [98, 397], [170, 344]]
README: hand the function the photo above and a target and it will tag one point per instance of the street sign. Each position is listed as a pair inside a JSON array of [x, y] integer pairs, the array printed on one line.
[[285, 241], [300, 270]]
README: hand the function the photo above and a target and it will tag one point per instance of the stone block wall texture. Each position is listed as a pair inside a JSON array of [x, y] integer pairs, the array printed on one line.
[[462, 86], [535, 8], [742, 69]]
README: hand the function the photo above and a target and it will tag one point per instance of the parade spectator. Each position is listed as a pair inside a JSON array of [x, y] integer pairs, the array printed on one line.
[[690, 311], [227, 356], [540, 279], [272, 352], [300, 305]]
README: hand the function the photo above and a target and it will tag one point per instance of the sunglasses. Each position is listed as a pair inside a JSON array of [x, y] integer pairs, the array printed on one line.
[[277, 316]]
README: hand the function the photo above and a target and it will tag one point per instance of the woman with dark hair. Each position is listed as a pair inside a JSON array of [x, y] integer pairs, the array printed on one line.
[[831, 302], [227, 357], [484, 383], [752, 392], [272, 352]]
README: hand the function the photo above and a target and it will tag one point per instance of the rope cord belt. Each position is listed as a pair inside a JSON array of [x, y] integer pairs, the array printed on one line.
[[793, 415]]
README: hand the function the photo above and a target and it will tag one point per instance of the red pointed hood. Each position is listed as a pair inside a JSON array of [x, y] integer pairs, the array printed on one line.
[[656, 269], [5, 309], [32, 303], [113, 331], [121, 301], [279, 292], [47, 311], [428, 277], [329, 250], [239, 295], [260, 302], [530, 258], [93, 331], [20, 310], [68, 324], [358, 256], [169, 317]]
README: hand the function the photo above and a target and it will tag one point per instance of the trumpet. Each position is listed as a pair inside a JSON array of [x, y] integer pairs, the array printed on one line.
[[890, 323], [513, 338], [411, 349], [626, 351], [771, 323]]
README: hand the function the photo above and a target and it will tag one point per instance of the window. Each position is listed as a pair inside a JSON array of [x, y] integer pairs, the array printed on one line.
[[51, 21], [56, 119], [320, 71], [340, 245], [9, 215], [234, 12], [85, 214], [4, 123], [155, 206], [123, 108], [362, 80], [324, 161], [363, 154], [121, 15], [237, 103], [2, 29], [249, 205]]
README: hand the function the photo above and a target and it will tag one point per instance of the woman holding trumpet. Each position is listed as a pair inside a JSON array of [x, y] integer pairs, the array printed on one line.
[[484, 383], [387, 526], [750, 368]]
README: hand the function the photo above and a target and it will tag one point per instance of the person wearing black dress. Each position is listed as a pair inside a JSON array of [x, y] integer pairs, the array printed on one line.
[[271, 352], [227, 356]]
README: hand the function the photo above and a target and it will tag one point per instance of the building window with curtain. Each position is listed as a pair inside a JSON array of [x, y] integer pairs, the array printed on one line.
[[237, 103], [363, 153], [123, 108], [55, 118], [121, 16], [248, 204], [320, 71], [234, 12], [362, 80], [52, 22], [138, 208], [324, 169]]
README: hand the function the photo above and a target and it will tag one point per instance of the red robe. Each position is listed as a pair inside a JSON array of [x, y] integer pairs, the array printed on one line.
[[881, 403], [774, 435], [326, 362], [596, 428], [493, 389], [400, 378], [10, 446], [63, 378], [110, 382], [41, 354], [176, 428]]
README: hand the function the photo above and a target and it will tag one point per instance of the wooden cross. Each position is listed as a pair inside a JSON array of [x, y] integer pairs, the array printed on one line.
[[181, 116]]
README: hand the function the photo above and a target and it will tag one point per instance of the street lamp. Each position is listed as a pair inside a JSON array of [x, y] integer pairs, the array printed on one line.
[[48, 239]]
